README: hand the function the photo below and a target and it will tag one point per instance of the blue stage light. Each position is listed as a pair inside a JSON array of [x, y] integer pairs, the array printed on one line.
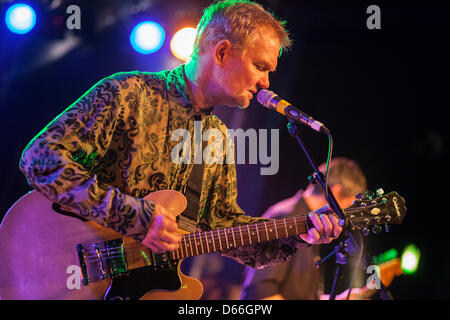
[[20, 18], [147, 37]]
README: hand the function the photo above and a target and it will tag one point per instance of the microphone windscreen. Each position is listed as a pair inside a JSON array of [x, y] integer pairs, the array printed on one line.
[[264, 96]]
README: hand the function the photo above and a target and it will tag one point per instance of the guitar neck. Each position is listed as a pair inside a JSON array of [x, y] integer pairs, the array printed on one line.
[[204, 242], [244, 235]]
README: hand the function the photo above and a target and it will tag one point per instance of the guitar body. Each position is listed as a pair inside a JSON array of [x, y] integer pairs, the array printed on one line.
[[39, 259], [44, 251]]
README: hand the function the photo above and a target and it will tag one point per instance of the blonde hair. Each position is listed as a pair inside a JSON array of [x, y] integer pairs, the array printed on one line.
[[239, 22]]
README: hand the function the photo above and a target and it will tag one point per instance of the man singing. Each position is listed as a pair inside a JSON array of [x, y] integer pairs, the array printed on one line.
[[110, 148]]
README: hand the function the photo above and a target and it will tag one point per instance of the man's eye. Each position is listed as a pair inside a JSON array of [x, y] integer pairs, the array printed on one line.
[[260, 68]]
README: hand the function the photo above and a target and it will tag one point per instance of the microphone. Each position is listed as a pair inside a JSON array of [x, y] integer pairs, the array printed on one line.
[[272, 101]]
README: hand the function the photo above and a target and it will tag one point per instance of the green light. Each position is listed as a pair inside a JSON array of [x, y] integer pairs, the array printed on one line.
[[386, 256], [410, 259], [146, 258]]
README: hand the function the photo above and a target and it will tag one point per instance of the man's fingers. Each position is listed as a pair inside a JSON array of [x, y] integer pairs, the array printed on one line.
[[161, 210], [337, 229], [169, 237], [316, 222], [311, 237], [327, 226], [163, 232]]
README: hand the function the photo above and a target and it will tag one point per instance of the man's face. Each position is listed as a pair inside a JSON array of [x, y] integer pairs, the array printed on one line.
[[243, 74]]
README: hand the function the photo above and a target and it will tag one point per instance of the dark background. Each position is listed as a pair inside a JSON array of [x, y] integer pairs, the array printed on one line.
[[382, 93]]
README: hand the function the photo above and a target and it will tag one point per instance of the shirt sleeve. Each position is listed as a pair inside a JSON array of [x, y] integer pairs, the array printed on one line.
[[60, 162]]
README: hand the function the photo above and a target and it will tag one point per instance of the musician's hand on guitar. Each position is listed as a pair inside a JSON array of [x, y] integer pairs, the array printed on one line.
[[326, 229], [162, 234]]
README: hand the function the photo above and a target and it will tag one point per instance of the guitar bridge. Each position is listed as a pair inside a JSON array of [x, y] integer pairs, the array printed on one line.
[[81, 258]]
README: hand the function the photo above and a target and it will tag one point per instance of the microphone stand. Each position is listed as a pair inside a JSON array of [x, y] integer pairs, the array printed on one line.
[[347, 247]]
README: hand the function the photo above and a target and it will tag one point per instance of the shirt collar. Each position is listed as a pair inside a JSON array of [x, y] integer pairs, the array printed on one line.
[[181, 103]]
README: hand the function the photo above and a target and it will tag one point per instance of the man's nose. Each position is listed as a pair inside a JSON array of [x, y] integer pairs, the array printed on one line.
[[264, 83]]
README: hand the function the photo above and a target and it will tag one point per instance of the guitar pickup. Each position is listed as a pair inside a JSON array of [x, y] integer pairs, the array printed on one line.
[[116, 257], [99, 261]]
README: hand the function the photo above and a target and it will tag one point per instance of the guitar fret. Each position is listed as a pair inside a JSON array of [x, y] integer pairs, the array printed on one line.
[[190, 244], [220, 240], [195, 244], [276, 227], [257, 232], [249, 236], [242, 238], [207, 245], [285, 227], [267, 233], [295, 223], [212, 238], [201, 241], [199, 235], [226, 237], [234, 239]]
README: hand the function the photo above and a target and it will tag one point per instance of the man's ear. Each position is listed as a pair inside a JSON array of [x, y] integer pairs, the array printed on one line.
[[221, 50]]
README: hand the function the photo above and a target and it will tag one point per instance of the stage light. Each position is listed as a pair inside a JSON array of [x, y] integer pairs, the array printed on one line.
[[147, 37], [410, 259], [182, 43], [20, 18]]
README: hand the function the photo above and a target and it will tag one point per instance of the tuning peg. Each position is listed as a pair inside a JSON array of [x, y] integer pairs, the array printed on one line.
[[369, 195], [376, 229], [380, 192], [365, 231]]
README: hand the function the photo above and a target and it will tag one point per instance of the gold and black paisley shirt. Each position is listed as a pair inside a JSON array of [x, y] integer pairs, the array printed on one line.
[[103, 154]]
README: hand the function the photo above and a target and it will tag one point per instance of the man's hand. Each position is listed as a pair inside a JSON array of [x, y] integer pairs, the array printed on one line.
[[326, 228], [162, 234]]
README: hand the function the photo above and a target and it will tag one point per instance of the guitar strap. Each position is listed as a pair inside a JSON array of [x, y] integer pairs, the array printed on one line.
[[193, 189]]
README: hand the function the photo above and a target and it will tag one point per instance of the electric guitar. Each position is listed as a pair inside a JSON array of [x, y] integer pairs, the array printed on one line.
[[49, 253]]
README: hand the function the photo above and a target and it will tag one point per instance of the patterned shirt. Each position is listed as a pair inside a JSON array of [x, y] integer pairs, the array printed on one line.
[[103, 154]]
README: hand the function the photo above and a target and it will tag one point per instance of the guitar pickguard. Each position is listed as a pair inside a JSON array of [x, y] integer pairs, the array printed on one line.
[[141, 281]]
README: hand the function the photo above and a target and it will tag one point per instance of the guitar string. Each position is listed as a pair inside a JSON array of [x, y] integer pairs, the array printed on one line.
[[192, 236], [114, 252], [168, 256]]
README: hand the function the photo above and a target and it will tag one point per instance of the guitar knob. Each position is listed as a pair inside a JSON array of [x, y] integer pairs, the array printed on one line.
[[365, 232]]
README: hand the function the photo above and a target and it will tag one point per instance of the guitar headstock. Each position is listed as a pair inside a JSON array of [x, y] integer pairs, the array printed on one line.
[[372, 210]]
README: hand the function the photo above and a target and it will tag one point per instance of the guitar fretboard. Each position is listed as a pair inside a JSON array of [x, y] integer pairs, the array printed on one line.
[[204, 242]]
